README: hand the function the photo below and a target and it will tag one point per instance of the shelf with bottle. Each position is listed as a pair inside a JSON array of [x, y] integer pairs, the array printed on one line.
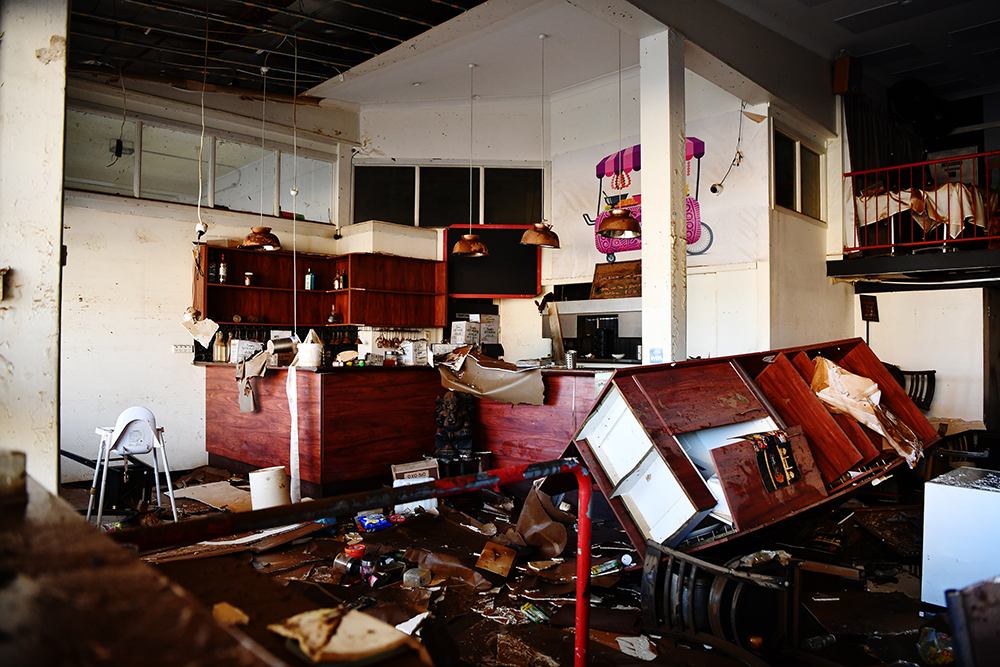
[[362, 288]]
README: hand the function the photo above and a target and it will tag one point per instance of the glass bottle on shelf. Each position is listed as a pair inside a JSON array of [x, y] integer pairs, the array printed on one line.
[[229, 348], [223, 269], [218, 347], [343, 280], [336, 281], [310, 279]]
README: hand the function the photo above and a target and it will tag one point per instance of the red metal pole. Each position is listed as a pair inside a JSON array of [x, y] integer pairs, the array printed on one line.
[[582, 641]]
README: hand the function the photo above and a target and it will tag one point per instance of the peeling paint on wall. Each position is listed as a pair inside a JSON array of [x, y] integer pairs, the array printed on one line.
[[56, 50]]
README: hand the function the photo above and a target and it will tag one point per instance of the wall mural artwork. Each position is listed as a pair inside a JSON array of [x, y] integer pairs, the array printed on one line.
[[735, 221], [618, 167]]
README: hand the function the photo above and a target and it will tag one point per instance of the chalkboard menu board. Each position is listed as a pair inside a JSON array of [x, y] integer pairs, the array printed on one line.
[[511, 270], [618, 280]]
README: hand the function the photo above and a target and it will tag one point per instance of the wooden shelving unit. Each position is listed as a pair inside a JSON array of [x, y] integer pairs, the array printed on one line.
[[382, 290]]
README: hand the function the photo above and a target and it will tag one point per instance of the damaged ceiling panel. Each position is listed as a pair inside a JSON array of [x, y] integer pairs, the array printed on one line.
[[226, 42]]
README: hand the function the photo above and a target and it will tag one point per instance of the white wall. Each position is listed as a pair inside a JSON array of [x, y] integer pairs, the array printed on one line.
[[503, 131], [727, 309], [126, 284], [934, 330], [806, 306], [32, 90]]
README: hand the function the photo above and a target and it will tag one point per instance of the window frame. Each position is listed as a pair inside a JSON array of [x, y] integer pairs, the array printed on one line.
[[800, 143], [480, 167], [213, 133]]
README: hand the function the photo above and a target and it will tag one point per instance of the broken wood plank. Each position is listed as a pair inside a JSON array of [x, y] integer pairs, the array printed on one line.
[[795, 403]]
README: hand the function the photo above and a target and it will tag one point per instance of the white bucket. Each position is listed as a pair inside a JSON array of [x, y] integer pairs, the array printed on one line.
[[269, 488], [310, 354]]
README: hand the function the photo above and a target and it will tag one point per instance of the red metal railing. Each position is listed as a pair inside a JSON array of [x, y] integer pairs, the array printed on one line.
[[213, 526], [951, 202]]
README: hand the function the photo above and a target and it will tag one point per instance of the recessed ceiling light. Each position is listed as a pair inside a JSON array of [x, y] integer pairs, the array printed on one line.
[[415, 84]]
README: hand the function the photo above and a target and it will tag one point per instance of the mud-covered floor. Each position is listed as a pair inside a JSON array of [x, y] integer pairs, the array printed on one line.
[[476, 617]]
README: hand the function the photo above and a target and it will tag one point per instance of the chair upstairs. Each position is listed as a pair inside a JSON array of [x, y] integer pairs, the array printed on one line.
[[134, 433]]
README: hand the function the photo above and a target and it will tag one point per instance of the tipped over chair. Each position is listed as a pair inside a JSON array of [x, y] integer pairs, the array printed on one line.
[[134, 433]]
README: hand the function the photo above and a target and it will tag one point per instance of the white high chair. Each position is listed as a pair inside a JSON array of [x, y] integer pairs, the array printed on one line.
[[135, 432]]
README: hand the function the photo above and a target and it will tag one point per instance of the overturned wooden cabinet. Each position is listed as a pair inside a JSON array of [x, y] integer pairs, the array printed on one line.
[[696, 452]]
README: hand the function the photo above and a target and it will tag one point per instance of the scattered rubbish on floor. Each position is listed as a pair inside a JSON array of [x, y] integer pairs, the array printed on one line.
[[220, 495], [228, 614]]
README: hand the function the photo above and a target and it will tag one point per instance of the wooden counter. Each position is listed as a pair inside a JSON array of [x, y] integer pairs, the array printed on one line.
[[521, 434], [353, 423]]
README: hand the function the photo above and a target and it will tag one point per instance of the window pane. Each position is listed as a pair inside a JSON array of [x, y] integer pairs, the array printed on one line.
[[513, 196], [170, 166], [444, 196], [384, 193], [244, 177], [810, 182], [90, 159], [784, 171], [314, 181]]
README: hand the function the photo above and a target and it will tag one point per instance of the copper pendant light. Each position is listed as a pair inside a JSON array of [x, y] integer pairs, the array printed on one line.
[[541, 234], [619, 224], [470, 245], [261, 238]]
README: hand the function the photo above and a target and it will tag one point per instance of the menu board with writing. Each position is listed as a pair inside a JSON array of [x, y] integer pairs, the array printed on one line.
[[617, 280]]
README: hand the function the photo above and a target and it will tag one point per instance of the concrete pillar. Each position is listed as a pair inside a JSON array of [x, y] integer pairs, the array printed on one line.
[[664, 217], [32, 120]]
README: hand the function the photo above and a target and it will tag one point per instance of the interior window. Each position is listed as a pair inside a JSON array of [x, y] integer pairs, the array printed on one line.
[[314, 181], [244, 177], [170, 166], [91, 163]]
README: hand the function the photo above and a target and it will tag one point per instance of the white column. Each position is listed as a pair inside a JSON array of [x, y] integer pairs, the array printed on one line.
[[32, 117], [664, 241]]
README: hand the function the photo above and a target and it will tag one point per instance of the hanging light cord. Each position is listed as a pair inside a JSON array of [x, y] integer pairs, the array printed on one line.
[[472, 67], [620, 180], [541, 129], [263, 122], [201, 141], [295, 187]]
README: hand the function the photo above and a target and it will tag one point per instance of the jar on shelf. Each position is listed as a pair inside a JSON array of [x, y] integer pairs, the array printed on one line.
[[248, 278]]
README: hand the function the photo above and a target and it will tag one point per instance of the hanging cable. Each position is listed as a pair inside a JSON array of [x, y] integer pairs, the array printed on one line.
[[295, 188], [119, 147], [201, 227], [263, 124], [737, 157], [472, 98]]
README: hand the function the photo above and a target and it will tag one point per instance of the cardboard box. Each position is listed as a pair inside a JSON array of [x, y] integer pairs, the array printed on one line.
[[414, 353], [418, 469], [465, 333], [241, 350], [404, 474], [489, 328]]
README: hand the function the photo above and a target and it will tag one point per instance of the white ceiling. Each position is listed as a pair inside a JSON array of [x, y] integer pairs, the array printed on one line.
[[502, 39], [952, 45]]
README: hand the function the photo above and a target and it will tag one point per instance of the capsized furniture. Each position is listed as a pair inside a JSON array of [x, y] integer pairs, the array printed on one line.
[[134, 433], [668, 444]]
